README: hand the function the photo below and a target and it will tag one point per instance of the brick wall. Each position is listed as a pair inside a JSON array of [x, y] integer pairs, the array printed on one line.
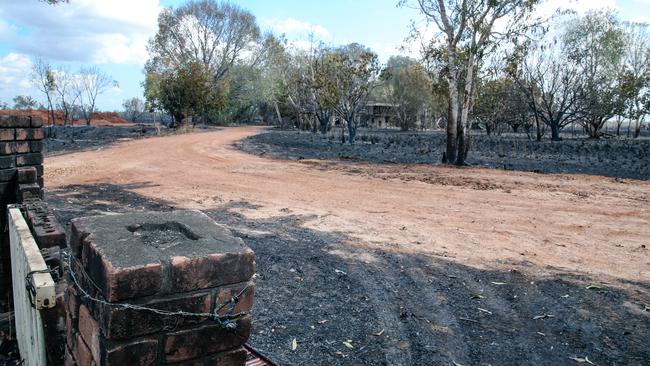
[[178, 261], [21, 175]]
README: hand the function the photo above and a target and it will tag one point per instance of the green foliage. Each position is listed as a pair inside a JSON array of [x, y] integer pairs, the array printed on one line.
[[468, 34], [192, 55], [187, 91], [210, 32], [133, 108], [351, 76], [24, 102], [596, 44], [409, 89], [634, 75], [500, 101]]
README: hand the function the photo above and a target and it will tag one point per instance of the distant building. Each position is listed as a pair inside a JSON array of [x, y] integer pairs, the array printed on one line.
[[377, 114]]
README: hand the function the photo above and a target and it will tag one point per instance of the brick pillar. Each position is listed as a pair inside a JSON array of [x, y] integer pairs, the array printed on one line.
[[173, 261], [21, 175]]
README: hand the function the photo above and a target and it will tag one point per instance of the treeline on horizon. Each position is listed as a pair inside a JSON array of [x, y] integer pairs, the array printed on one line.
[[495, 65]]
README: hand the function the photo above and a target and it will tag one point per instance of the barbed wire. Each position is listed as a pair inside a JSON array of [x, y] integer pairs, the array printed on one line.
[[227, 321]]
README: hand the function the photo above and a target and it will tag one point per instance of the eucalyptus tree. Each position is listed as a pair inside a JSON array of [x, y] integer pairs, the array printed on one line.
[[409, 89], [43, 78], [209, 33], [134, 108], [635, 75], [297, 81], [65, 92], [198, 39], [24, 102], [187, 92], [433, 61], [274, 75], [355, 69], [550, 83], [470, 30], [499, 102], [290, 75], [88, 85], [323, 86], [596, 43]]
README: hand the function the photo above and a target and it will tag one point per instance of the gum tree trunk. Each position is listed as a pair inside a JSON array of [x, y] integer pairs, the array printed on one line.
[[352, 129], [464, 125]]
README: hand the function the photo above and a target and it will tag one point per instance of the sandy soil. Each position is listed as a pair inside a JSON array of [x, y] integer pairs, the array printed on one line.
[[575, 228]]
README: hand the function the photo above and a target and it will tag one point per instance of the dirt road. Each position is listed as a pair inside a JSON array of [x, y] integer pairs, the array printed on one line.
[[420, 250]]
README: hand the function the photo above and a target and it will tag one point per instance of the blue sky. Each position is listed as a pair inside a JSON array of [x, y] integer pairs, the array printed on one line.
[[112, 34]]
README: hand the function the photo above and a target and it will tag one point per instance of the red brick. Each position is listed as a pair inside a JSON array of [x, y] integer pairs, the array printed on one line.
[[36, 121], [15, 121], [83, 282], [47, 230], [27, 175], [72, 302], [236, 357], [7, 148], [21, 147], [245, 303], [77, 237], [119, 283], [29, 134], [192, 343], [89, 331], [188, 274], [29, 159], [24, 191], [7, 162], [120, 323], [81, 352], [7, 134], [139, 353], [70, 330]]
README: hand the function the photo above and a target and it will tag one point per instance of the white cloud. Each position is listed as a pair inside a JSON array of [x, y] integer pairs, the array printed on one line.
[[15, 69], [385, 51], [100, 31], [293, 28]]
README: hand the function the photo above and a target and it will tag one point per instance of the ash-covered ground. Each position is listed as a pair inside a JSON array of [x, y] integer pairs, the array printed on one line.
[[611, 157], [65, 139]]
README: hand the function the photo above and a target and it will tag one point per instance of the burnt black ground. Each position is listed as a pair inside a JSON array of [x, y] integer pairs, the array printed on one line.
[[611, 157], [397, 309], [64, 139]]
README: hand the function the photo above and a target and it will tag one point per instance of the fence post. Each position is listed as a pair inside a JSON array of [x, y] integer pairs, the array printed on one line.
[[157, 288], [33, 290]]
